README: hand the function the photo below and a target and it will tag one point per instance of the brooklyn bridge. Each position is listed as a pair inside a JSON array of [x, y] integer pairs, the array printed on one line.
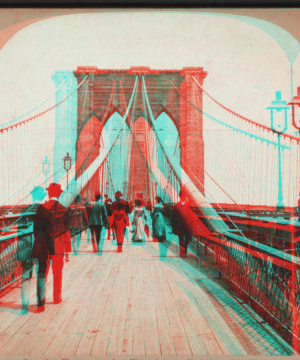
[[155, 137]]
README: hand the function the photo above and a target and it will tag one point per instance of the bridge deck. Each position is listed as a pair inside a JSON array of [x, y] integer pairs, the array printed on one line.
[[135, 303]]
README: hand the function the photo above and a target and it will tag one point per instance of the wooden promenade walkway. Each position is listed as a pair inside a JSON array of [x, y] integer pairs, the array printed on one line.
[[139, 302]]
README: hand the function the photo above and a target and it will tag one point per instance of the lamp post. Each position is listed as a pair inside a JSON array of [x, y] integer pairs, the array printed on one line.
[[278, 110], [67, 166], [46, 169]]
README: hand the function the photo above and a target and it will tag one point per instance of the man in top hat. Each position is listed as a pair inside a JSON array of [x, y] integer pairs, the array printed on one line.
[[38, 254], [97, 219], [60, 237]]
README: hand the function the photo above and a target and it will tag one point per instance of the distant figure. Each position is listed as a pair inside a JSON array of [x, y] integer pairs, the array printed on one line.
[[119, 222], [77, 221], [179, 224], [38, 254], [87, 209], [109, 209], [139, 221], [158, 222], [97, 219], [60, 237]]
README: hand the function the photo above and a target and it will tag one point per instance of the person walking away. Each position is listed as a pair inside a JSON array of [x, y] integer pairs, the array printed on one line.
[[77, 221], [179, 226], [109, 209], [158, 222], [37, 254], [97, 219], [60, 238], [185, 223], [87, 207], [125, 204], [120, 221], [139, 221]]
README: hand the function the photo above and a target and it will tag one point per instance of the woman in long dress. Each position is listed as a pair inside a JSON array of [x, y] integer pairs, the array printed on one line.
[[158, 222], [119, 222], [139, 221]]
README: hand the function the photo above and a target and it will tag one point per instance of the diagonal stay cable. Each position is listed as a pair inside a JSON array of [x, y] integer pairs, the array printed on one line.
[[227, 125]]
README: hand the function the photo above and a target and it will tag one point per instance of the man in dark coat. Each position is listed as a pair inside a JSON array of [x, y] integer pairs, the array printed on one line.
[[60, 243], [38, 254], [185, 223], [77, 221], [109, 209], [97, 219]]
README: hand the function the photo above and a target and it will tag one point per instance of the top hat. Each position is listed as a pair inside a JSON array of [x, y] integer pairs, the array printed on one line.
[[118, 194], [54, 188]]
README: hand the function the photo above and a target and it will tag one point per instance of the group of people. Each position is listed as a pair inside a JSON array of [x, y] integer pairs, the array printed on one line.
[[57, 229]]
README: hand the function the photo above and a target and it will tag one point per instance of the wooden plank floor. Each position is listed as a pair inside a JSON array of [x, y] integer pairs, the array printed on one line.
[[144, 301]]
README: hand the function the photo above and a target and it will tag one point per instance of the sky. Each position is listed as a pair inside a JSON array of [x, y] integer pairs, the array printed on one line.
[[245, 65]]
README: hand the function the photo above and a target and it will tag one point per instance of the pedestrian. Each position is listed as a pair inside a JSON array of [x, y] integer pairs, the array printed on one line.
[[60, 237], [158, 222], [77, 221], [37, 254], [179, 226], [97, 219], [185, 223], [109, 209], [121, 202], [87, 207], [120, 221], [139, 221]]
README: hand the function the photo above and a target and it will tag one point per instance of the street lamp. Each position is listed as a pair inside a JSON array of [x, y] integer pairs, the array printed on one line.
[[67, 166], [279, 125], [46, 169]]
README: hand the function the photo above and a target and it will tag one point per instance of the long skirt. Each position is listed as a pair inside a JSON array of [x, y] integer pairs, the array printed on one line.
[[159, 228], [138, 229]]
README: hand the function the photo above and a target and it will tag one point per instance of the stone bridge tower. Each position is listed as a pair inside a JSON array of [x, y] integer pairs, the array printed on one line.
[[171, 91]]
